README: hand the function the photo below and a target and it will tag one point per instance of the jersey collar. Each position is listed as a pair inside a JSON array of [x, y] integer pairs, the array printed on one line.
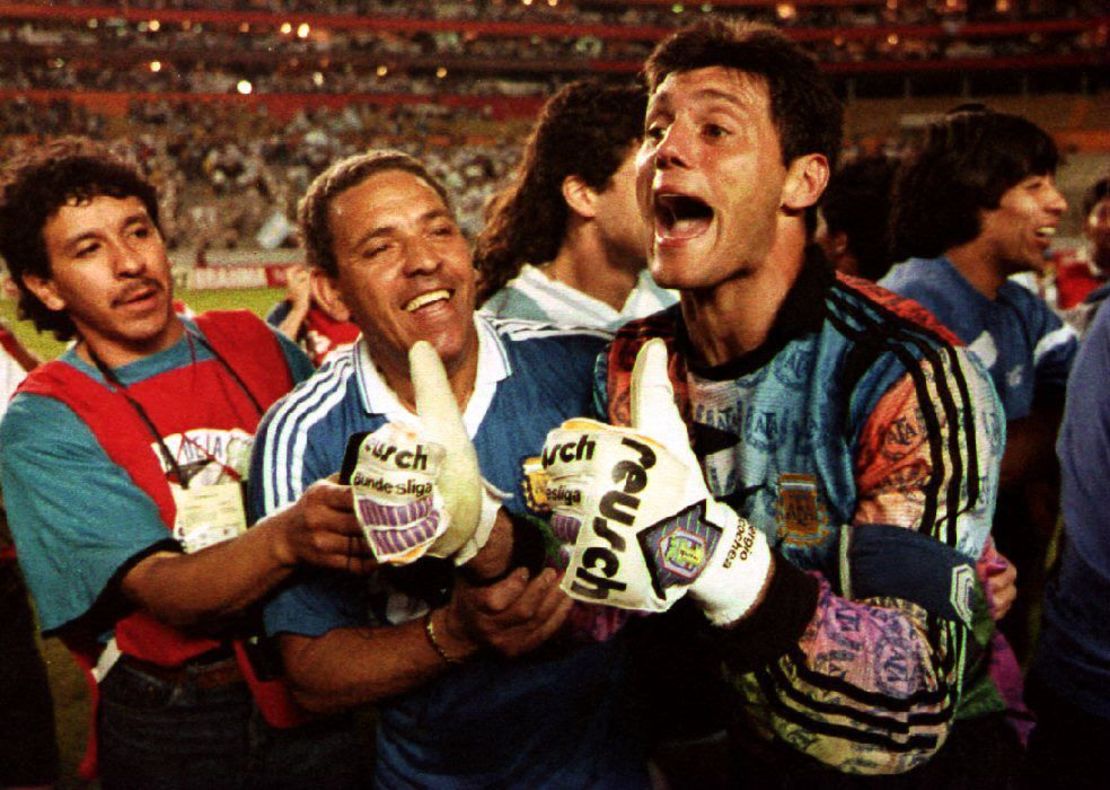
[[379, 398], [801, 313]]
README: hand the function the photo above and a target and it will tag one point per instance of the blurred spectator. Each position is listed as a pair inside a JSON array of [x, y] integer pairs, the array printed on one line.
[[313, 317], [1069, 682], [855, 209], [1078, 272]]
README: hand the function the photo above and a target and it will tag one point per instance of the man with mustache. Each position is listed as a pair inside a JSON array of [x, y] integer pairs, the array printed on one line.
[[845, 448], [123, 463], [476, 682]]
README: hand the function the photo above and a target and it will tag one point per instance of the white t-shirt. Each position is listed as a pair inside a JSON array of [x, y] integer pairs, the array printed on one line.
[[11, 373]]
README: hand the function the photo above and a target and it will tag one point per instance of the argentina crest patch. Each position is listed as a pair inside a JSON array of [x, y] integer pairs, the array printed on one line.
[[961, 591], [802, 516], [677, 549]]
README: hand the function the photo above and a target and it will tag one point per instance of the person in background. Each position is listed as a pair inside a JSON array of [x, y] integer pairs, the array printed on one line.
[[123, 463], [1081, 281], [1078, 272], [977, 204], [564, 241], [1069, 680], [310, 316], [855, 213]]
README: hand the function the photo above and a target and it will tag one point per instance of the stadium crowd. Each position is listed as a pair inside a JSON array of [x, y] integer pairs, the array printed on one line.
[[224, 171], [215, 56], [631, 456], [48, 54], [828, 14]]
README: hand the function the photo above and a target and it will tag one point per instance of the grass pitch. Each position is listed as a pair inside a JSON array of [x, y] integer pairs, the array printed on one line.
[[257, 300]]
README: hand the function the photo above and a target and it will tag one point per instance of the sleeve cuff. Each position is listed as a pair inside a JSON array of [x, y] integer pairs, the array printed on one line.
[[111, 604], [776, 623]]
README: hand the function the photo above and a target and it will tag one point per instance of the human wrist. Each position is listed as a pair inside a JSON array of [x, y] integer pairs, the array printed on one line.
[[447, 639], [494, 560], [278, 529], [516, 542], [737, 574], [772, 627], [300, 303]]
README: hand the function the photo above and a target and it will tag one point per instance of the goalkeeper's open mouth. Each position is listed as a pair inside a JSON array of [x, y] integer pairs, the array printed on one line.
[[680, 217]]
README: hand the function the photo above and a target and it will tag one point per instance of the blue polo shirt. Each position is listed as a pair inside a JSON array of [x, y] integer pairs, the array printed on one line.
[[553, 718], [1018, 338]]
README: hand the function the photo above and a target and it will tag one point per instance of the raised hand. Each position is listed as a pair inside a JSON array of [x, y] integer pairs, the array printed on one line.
[[418, 490], [645, 529]]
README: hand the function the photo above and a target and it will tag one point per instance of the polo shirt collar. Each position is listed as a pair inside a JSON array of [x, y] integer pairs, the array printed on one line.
[[378, 398]]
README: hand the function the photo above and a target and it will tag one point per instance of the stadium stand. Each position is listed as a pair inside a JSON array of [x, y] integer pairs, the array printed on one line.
[[276, 88]]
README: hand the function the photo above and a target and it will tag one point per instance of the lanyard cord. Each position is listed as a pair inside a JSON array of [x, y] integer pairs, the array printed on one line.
[[121, 388], [110, 376]]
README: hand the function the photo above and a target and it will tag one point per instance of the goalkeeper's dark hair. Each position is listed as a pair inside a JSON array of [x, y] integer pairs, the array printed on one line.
[[804, 110]]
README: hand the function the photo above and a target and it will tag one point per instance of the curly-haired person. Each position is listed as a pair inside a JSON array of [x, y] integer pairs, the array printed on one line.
[[564, 241], [123, 463]]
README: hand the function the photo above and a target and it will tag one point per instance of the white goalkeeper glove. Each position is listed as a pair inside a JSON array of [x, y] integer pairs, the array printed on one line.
[[644, 526], [419, 491]]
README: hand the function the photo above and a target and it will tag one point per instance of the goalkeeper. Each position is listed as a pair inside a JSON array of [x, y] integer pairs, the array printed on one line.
[[455, 637], [846, 449]]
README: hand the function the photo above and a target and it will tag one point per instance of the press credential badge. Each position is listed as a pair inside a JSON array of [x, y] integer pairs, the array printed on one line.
[[207, 515]]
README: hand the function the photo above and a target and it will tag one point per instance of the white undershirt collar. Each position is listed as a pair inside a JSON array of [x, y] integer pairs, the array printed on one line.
[[379, 398]]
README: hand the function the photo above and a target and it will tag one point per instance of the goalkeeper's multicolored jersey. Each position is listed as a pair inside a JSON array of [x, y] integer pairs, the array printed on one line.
[[864, 442]]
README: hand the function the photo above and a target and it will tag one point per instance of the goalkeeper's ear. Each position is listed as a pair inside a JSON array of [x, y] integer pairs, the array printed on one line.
[[654, 412]]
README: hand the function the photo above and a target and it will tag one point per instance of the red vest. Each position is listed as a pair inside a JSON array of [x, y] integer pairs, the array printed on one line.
[[201, 395], [323, 335], [1074, 280]]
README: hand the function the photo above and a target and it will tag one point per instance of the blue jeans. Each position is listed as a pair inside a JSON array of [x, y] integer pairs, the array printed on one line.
[[170, 735]]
